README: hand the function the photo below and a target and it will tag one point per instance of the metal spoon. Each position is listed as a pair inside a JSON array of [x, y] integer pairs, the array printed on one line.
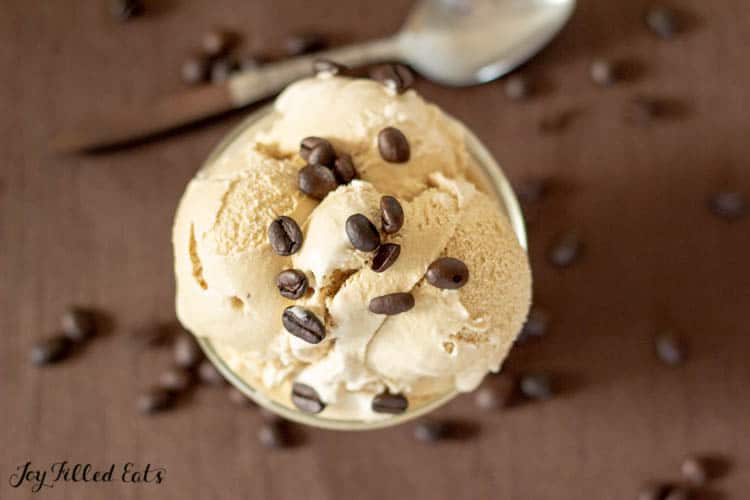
[[452, 42]]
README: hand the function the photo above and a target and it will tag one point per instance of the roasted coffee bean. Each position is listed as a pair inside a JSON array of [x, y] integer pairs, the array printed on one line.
[[392, 214], [316, 181], [662, 21], [447, 272], [187, 352], [385, 256], [430, 431], [393, 145], [343, 169], [729, 205], [123, 10], [79, 324], [303, 324], [517, 87], [221, 69], [216, 42], [385, 402], [238, 397], [678, 493], [328, 67], [362, 233], [322, 154], [642, 110], [653, 491], [396, 77], [496, 392], [565, 249], [307, 145], [393, 303], [155, 334], [535, 325], [304, 43], [602, 72], [176, 380], [51, 350], [285, 236], [669, 348], [536, 386], [155, 400], [292, 283], [306, 398], [272, 433], [209, 375], [695, 470], [195, 69]]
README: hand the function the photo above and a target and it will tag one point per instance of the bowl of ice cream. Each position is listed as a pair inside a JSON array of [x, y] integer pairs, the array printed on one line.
[[351, 257]]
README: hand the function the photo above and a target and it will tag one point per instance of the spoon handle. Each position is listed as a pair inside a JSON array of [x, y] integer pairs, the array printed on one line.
[[254, 85]]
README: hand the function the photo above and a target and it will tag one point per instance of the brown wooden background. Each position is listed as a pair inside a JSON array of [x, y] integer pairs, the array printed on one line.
[[96, 230]]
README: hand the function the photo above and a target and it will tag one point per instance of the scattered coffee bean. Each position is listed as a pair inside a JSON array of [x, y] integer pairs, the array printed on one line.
[[602, 72], [393, 145], [187, 352], [304, 43], [216, 42], [393, 303], [155, 400], [669, 348], [678, 493], [448, 273], [322, 154], [535, 325], [392, 214], [662, 21], [316, 181], [385, 402], [155, 334], [195, 70], [51, 350], [285, 236], [238, 397], [430, 430], [517, 87], [209, 375], [642, 110], [123, 10], [695, 470], [362, 233], [396, 77], [536, 386], [729, 205], [221, 69], [303, 324], [306, 398], [176, 380], [79, 324], [307, 145], [385, 256], [565, 249], [328, 67], [496, 392], [292, 283], [272, 434], [343, 169], [653, 491]]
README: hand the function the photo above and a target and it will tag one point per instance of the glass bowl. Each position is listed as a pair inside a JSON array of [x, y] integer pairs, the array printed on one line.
[[492, 181]]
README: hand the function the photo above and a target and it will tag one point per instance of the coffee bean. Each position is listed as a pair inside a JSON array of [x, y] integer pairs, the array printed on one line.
[[448, 273], [695, 470], [362, 233], [496, 392], [328, 67], [238, 397], [729, 205], [393, 303], [322, 154], [392, 214], [285, 236], [123, 10], [565, 249], [678, 493], [221, 69], [155, 334], [272, 434], [642, 110], [176, 380], [393, 145], [602, 72], [386, 402], [155, 400], [385, 256], [343, 169], [307, 145], [209, 375], [292, 283], [79, 324], [653, 491], [536, 386], [430, 431], [51, 350], [304, 43], [303, 324], [195, 69], [316, 181], [216, 42], [187, 352], [669, 348], [535, 325], [517, 87], [662, 21], [396, 77], [306, 398]]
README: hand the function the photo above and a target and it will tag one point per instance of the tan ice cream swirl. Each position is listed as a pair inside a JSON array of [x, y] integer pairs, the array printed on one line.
[[367, 365]]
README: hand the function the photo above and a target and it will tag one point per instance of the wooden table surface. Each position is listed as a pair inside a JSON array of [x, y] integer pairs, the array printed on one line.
[[96, 230]]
